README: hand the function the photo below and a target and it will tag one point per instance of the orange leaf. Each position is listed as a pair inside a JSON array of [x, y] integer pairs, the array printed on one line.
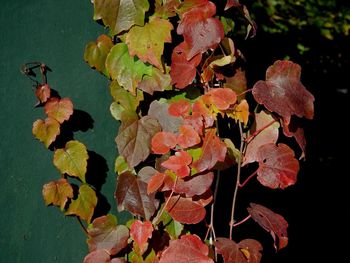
[[59, 109]]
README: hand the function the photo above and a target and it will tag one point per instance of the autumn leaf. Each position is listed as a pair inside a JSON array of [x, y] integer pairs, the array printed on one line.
[[43, 92], [187, 137], [268, 134], [172, 227], [155, 182], [283, 93], [189, 248], [59, 109], [294, 129], [196, 121], [120, 15], [131, 194], [179, 163], [199, 108], [72, 159], [179, 108], [246, 251], [134, 139], [271, 222], [98, 256], [277, 166], [156, 81], [231, 3], [213, 151], [147, 42], [85, 204], [128, 71], [238, 82], [125, 98], [166, 9], [162, 142], [46, 131], [183, 70], [140, 232], [105, 234], [185, 210], [240, 112], [221, 98], [96, 52], [57, 193]]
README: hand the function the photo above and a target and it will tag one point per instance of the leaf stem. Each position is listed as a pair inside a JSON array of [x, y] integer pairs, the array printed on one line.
[[248, 179], [250, 137], [82, 225], [239, 165], [242, 221], [244, 92]]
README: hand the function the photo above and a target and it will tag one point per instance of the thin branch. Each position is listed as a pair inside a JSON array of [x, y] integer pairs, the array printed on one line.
[[248, 179], [82, 225], [239, 165], [249, 138], [242, 221], [244, 92]]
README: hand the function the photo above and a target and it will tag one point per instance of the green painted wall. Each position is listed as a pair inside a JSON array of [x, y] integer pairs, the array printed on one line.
[[54, 32]]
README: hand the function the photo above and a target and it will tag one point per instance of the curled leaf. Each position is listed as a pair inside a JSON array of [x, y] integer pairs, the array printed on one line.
[[43, 92]]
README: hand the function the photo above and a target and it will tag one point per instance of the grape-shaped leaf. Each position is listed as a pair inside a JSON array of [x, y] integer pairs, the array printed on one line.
[[283, 93], [124, 97], [179, 163], [268, 134], [46, 131], [128, 71], [120, 15], [213, 151], [238, 82], [183, 70], [162, 142], [271, 222], [104, 233], [85, 204], [57, 193], [200, 108], [240, 112], [179, 108], [277, 166], [187, 137], [59, 109], [185, 210], [147, 42], [246, 251], [131, 194], [140, 232], [157, 81], [98, 256], [189, 248], [221, 98], [96, 53], [134, 139], [166, 8], [43, 92], [72, 159], [155, 182], [159, 111]]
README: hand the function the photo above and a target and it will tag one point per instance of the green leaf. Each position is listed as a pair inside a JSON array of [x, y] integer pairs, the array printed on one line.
[[57, 193], [124, 97], [121, 166], [72, 159], [147, 42], [96, 53], [120, 15], [172, 227], [85, 204], [46, 131], [126, 70], [228, 24]]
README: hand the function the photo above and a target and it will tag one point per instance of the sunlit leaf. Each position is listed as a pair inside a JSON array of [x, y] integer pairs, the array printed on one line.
[[147, 42], [96, 53], [277, 166], [195, 120], [140, 232], [172, 227], [155, 182], [240, 112], [85, 204], [72, 159], [187, 137], [166, 8], [156, 81], [178, 163], [189, 248], [43, 92], [283, 93], [121, 166], [221, 98], [46, 131], [134, 139], [98, 256], [162, 142], [57, 193], [131, 194], [271, 222], [124, 97], [179, 108], [59, 109], [104, 233], [120, 15], [199, 108]]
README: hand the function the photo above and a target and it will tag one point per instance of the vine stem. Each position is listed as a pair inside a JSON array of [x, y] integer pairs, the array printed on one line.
[[82, 225], [242, 221], [155, 220], [244, 92], [248, 179], [250, 137], [239, 165]]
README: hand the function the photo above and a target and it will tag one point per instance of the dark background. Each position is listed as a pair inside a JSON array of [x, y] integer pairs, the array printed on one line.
[[55, 32]]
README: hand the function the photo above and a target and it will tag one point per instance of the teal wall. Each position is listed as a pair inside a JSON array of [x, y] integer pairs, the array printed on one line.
[[54, 32]]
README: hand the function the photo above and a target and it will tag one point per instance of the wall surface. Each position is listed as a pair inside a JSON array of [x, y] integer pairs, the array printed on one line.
[[54, 32]]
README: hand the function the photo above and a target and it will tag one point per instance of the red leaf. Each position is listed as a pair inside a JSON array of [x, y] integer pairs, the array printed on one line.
[[196, 121], [238, 82], [294, 130], [187, 249], [59, 109], [277, 166], [131, 194], [231, 3], [283, 93], [246, 251], [162, 142], [183, 70], [222, 98], [104, 233], [98, 256], [155, 182], [140, 232], [187, 137], [213, 151], [200, 108], [43, 92], [271, 222], [179, 108], [178, 163]]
